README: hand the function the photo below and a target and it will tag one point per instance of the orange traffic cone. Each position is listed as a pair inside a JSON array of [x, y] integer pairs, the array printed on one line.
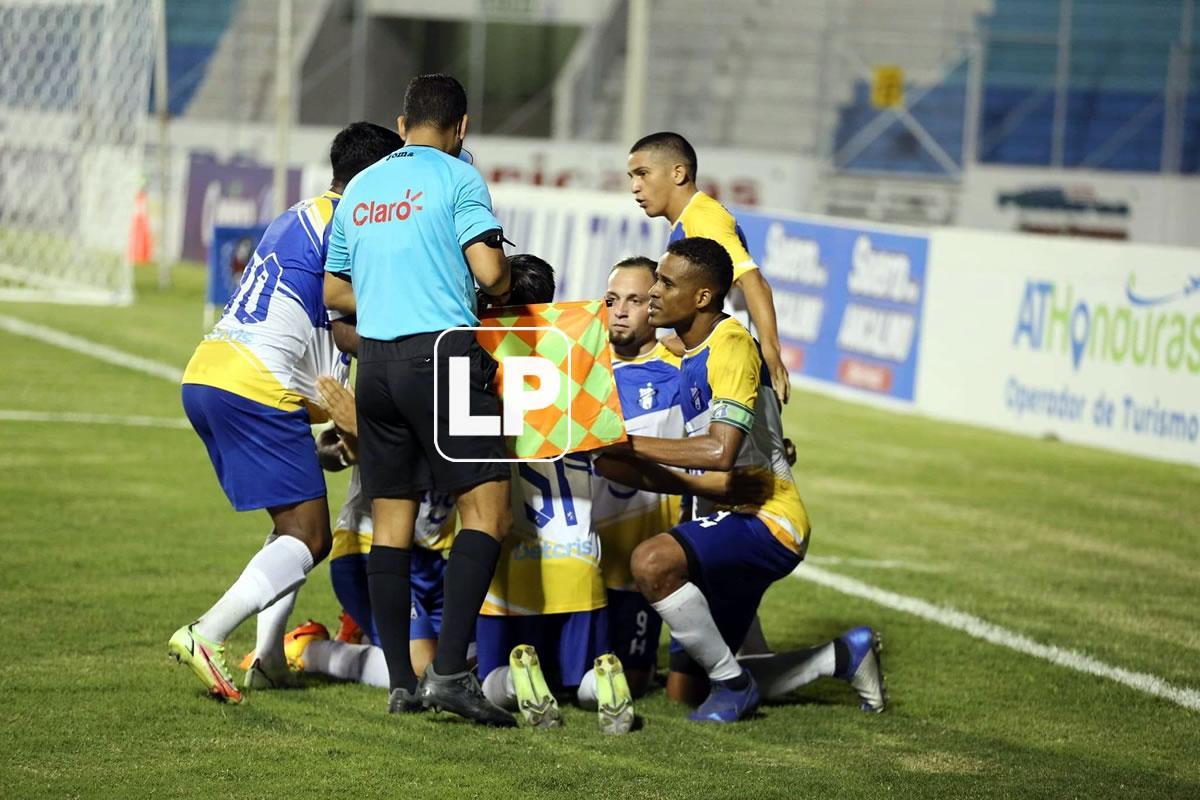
[[141, 242]]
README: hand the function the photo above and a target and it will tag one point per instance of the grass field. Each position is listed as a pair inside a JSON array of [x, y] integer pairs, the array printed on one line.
[[113, 536]]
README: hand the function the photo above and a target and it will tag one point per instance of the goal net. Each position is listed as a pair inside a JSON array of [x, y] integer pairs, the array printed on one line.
[[74, 95]]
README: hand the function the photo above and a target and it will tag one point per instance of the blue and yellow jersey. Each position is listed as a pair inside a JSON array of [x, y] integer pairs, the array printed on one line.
[[550, 563], [352, 535], [705, 217], [720, 383], [623, 517], [273, 338]]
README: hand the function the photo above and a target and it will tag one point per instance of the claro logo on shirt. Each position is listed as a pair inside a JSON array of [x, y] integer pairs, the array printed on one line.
[[372, 212]]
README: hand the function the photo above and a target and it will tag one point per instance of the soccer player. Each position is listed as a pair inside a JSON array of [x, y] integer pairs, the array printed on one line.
[[249, 392], [415, 234], [706, 577], [662, 174], [547, 595], [647, 376]]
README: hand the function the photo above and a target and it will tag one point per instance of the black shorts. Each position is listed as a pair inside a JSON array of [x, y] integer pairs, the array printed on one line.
[[398, 420]]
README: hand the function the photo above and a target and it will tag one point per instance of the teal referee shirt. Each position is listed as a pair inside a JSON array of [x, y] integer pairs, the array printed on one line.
[[399, 234]]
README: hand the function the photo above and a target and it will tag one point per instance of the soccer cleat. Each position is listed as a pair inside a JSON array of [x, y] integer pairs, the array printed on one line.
[[297, 640], [613, 698], [460, 694], [534, 700], [348, 630], [402, 701], [207, 662], [865, 671], [294, 642], [725, 704], [259, 677]]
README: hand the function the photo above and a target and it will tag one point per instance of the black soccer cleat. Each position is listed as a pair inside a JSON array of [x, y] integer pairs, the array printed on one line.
[[402, 701], [460, 694]]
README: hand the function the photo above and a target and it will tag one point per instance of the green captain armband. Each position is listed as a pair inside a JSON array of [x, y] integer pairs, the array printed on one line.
[[733, 413]]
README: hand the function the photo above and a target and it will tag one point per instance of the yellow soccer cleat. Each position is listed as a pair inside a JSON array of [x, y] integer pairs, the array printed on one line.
[[534, 699], [206, 660], [297, 641], [613, 698]]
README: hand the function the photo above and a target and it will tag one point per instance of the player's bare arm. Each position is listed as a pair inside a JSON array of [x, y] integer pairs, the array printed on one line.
[[738, 487], [715, 450], [339, 294], [345, 335], [761, 303]]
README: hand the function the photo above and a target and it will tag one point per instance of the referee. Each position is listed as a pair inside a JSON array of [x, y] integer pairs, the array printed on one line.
[[412, 236]]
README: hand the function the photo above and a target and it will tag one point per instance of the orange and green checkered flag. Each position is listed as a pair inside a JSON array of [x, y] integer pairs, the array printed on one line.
[[587, 413]]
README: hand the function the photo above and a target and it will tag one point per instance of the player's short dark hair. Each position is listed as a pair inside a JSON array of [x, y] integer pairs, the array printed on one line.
[[635, 262], [436, 100], [710, 258], [671, 144], [532, 280], [358, 146]]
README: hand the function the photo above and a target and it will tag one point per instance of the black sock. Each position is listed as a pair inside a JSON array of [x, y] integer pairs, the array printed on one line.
[[468, 575], [391, 602], [841, 658], [740, 682]]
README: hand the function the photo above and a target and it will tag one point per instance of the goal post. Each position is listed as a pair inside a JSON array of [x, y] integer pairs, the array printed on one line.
[[74, 100]]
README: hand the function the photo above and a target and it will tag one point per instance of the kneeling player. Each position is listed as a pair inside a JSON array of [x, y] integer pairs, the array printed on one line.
[[647, 376], [706, 577]]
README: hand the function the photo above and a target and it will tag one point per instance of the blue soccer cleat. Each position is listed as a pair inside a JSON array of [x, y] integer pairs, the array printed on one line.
[[865, 671], [724, 704]]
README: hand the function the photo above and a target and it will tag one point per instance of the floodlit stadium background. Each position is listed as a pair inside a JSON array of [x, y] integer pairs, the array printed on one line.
[[977, 218]]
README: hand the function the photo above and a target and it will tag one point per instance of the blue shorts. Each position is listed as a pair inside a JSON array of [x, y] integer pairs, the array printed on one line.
[[633, 630], [733, 558], [264, 457], [349, 577], [426, 576], [567, 644]]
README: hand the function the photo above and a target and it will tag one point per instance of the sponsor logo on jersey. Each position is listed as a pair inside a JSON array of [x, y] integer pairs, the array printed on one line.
[[398, 211]]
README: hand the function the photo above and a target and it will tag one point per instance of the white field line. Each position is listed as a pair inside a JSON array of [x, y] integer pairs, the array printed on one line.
[[12, 415], [99, 352], [941, 615], [871, 563], [1001, 637]]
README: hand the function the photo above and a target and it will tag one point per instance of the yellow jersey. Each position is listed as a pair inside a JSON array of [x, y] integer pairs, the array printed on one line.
[[705, 217], [720, 382]]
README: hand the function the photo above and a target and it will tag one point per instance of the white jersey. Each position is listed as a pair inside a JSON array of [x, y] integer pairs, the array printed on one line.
[[434, 527], [648, 387], [550, 564], [273, 339]]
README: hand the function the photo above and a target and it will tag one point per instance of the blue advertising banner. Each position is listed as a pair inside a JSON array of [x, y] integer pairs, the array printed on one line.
[[848, 299]]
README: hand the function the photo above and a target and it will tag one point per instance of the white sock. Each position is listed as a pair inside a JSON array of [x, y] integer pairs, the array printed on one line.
[[585, 695], [778, 674], [272, 625], [498, 688], [686, 612], [359, 663], [274, 571]]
